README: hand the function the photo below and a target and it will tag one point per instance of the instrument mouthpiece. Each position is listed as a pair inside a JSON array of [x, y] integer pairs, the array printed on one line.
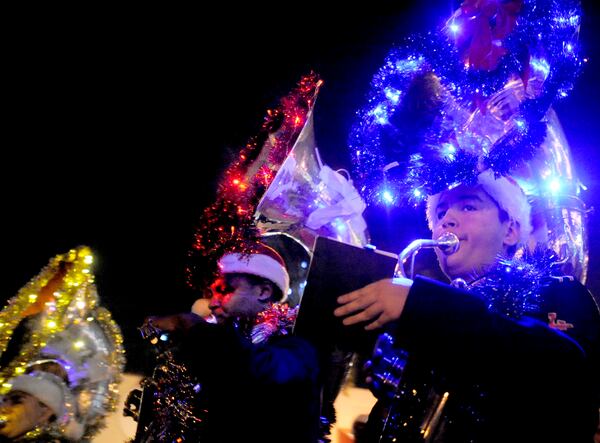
[[448, 243]]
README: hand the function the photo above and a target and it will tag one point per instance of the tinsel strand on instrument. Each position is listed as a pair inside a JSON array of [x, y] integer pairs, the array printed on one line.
[[227, 225], [276, 320], [176, 412], [409, 140], [43, 315]]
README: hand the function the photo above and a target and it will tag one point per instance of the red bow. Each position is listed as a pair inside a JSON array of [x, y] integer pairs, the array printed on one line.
[[484, 24]]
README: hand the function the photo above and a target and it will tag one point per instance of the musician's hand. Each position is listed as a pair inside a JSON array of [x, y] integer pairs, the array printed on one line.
[[382, 302], [173, 323]]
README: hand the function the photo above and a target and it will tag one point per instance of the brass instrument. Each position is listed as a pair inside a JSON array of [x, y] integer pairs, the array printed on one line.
[[448, 243], [169, 407], [413, 411]]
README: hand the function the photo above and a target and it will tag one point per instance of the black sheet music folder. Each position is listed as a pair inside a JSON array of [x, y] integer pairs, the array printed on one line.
[[335, 269]]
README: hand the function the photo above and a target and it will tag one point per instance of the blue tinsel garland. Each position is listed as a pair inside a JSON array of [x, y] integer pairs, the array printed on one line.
[[514, 286], [403, 142]]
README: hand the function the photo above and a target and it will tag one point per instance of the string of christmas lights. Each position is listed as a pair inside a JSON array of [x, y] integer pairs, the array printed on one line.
[[228, 224], [473, 95], [513, 287]]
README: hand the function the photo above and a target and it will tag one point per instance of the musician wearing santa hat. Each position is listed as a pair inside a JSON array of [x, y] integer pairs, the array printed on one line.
[[258, 380]]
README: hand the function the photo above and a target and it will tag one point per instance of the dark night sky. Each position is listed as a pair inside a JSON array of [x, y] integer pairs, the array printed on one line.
[[118, 122]]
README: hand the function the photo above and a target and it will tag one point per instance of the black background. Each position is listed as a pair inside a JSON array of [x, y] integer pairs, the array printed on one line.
[[118, 121]]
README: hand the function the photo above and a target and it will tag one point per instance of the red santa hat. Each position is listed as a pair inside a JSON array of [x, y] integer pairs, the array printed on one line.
[[264, 262]]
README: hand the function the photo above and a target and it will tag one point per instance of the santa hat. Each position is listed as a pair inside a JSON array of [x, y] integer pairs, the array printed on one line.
[[506, 192], [48, 388], [52, 391], [264, 262]]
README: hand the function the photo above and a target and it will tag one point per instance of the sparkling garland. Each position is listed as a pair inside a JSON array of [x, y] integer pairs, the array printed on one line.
[[74, 301], [513, 286], [116, 360], [70, 302], [428, 175], [410, 139], [178, 408], [228, 225], [177, 411], [276, 320]]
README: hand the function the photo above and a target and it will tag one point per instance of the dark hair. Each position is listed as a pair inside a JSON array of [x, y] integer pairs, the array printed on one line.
[[50, 366], [504, 217]]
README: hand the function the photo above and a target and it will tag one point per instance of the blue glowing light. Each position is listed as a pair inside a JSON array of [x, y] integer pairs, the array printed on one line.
[[380, 114], [449, 150], [409, 64], [392, 95], [387, 197], [540, 65], [555, 186], [339, 225], [378, 135]]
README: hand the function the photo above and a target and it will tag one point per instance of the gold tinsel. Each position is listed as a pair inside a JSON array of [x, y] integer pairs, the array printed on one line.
[[74, 301]]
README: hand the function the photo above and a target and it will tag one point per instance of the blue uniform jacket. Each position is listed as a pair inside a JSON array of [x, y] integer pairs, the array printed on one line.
[[513, 380]]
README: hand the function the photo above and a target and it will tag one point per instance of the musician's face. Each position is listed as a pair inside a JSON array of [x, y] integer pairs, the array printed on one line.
[[475, 218], [234, 296], [20, 412]]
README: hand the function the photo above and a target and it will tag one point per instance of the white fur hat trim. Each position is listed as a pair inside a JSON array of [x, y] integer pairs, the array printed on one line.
[[257, 264], [47, 388], [506, 192]]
